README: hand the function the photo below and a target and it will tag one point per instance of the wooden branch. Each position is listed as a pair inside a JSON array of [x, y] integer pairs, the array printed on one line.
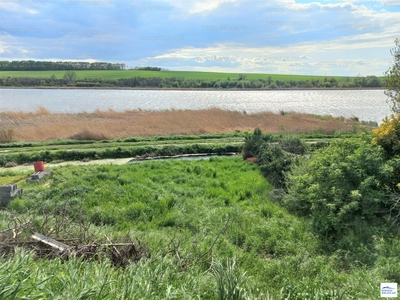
[[49, 241], [17, 227], [116, 250]]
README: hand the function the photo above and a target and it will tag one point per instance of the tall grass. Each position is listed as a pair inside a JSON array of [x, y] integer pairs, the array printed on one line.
[[7, 135], [194, 217], [43, 125]]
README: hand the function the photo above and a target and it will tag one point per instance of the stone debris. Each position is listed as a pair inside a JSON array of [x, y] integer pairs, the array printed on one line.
[[8, 192], [38, 176]]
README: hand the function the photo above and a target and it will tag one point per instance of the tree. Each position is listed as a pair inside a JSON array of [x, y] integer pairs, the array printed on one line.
[[392, 79], [70, 75]]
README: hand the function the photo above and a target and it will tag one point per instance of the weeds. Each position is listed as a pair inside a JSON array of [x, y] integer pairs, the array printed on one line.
[[230, 285], [276, 254]]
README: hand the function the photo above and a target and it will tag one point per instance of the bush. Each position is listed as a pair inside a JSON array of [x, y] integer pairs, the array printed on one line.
[[273, 86], [342, 187], [274, 163], [217, 85], [240, 85], [293, 145], [388, 135], [252, 143]]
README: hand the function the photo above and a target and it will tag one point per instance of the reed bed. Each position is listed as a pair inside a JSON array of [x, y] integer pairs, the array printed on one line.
[[42, 125]]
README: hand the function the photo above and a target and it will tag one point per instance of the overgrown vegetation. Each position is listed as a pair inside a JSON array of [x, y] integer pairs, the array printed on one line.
[[210, 230], [274, 154], [348, 189], [116, 150]]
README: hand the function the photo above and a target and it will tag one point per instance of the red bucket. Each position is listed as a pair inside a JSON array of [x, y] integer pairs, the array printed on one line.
[[39, 166]]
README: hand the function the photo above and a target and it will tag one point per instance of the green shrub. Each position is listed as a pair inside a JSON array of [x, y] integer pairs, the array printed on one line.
[[274, 163], [253, 142], [343, 188], [293, 145]]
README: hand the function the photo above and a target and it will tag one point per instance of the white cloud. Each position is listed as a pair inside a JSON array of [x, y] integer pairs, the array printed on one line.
[[203, 6], [198, 7], [12, 6], [302, 58]]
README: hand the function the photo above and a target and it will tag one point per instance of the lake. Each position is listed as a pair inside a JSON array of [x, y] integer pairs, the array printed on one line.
[[365, 104]]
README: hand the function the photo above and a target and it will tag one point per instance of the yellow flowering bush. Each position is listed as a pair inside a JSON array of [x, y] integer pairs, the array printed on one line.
[[388, 135]]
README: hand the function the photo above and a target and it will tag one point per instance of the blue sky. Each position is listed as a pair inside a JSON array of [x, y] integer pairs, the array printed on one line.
[[285, 36]]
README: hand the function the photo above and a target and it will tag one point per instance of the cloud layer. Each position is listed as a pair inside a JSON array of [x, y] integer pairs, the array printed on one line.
[[286, 36]]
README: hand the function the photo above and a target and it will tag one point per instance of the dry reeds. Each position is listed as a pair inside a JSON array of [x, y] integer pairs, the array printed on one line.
[[7, 135], [43, 125]]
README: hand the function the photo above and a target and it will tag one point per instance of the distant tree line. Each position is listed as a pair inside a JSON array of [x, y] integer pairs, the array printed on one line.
[[70, 79], [148, 68], [31, 65]]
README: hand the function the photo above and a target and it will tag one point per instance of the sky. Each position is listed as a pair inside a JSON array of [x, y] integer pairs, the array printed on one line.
[[348, 38]]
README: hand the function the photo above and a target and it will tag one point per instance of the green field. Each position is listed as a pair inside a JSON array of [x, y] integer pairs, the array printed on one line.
[[209, 226], [117, 74]]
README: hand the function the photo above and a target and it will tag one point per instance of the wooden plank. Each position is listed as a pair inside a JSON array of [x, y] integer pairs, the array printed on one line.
[[49, 241]]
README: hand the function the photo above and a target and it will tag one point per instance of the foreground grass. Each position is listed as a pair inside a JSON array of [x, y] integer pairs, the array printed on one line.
[[210, 228], [117, 74]]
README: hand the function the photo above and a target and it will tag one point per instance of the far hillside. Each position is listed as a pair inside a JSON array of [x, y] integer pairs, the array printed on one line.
[[179, 79], [82, 74]]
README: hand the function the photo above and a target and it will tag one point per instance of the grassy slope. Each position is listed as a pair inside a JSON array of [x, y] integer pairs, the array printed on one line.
[[116, 74], [178, 209]]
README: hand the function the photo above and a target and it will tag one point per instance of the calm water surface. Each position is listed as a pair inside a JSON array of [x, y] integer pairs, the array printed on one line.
[[365, 104]]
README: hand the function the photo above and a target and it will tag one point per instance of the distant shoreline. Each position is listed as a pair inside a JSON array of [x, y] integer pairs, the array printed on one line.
[[180, 89]]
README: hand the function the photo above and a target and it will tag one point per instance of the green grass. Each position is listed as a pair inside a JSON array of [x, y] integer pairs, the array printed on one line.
[[117, 74], [75, 150], [181, 210]]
